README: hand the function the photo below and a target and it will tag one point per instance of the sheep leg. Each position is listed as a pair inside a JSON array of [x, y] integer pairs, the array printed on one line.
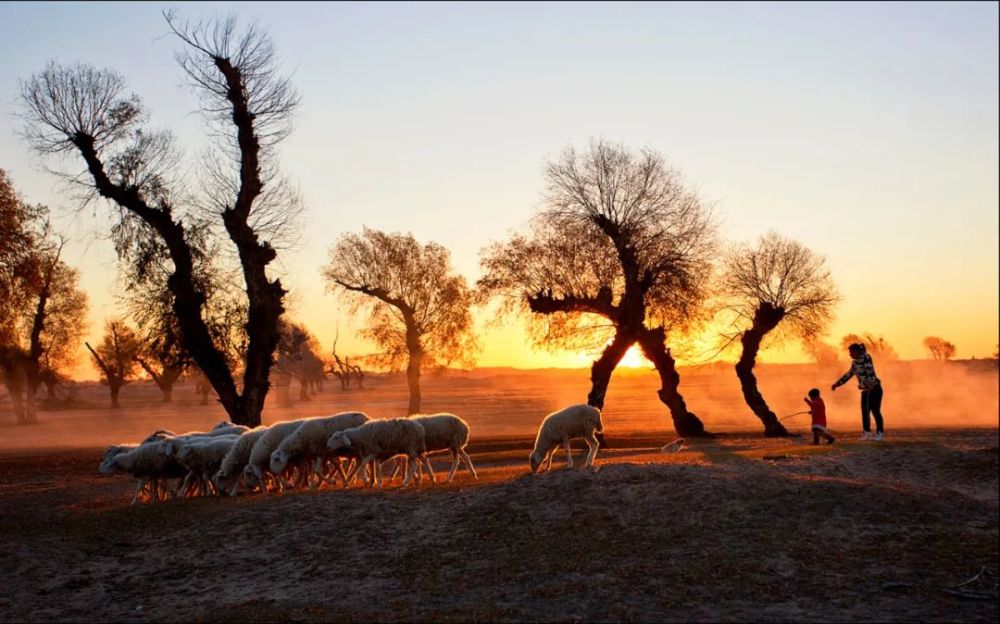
[[569, 454], [184, 484], [454, 466], [397, 464], [378, 473], [138, 488], [317, 469], [468, 462], [549, 456], [593, 444], [427, 462], [411, 469], [340, 469]]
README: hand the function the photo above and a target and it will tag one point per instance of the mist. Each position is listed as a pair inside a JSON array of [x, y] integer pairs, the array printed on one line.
[[503, 402]]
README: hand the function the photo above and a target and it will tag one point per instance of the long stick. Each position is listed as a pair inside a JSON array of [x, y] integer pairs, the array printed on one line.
[[790, 415]]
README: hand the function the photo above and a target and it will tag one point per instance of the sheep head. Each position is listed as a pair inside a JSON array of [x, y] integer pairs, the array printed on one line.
[[339, 440], [279, 461], [535, 460]]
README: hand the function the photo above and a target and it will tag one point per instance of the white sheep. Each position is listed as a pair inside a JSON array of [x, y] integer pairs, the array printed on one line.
[[170, 446], [227, 478], [147, 464], [204, 457], [447, 432], [224, 427], [309, 441], [379, 440], [560, 427], [258, 465]]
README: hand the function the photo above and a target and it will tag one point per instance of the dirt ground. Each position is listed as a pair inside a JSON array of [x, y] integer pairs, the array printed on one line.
[[732, 529], [735, 528]]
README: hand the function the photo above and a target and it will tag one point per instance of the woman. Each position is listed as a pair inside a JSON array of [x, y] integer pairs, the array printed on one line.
[[871, 390]]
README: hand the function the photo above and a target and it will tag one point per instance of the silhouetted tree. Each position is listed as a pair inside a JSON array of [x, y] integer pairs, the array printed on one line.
[[43, 311], [419, 307], [343, 370], [296, 360], [778, 284], [939, 348], [248, 105], [619, 255], [877, 346], [820, 351], [115, 356]]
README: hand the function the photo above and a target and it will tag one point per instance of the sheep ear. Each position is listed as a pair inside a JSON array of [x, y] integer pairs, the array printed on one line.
[[347, 440]]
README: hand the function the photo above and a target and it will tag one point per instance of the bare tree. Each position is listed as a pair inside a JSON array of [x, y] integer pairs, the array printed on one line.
[[939, 348], [420, 310], [296, 360], [344, 370], [43, 315], [774, 289], [877, 346], [248, 105], [115, 356], [619, 255], [821, 352]]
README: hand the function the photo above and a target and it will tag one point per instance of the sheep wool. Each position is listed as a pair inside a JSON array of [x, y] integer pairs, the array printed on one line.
[[575, 421]]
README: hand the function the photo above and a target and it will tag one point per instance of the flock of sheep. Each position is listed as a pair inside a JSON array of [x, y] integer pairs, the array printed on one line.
[[311, 452]]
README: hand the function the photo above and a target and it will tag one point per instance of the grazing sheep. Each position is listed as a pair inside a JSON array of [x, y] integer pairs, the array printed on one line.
[[560, 427], [227, 478], [447, 432], [159, 434], [170, 446], [112, 451], [379, 440], [308, 442], [147, 464], [224, 427], [258, 466], [204, 457]]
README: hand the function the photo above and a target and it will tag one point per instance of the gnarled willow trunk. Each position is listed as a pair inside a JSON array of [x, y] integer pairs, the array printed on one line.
[[600, 374], [765, 319], [686, 424]]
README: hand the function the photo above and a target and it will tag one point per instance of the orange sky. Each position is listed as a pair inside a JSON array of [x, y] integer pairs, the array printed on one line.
[[866, 131]]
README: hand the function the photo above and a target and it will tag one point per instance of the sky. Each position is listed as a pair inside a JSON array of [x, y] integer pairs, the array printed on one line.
[[867, 131]]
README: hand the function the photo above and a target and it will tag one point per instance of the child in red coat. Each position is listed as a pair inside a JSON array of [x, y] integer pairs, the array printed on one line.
[[818, 410]]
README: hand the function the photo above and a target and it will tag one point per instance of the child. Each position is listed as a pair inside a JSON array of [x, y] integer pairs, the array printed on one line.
[[818, 410]]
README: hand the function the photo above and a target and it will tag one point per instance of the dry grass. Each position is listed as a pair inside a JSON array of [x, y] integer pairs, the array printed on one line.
[[733, 529]]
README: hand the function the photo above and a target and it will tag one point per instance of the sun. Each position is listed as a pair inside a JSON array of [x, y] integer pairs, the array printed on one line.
[[635, 359]]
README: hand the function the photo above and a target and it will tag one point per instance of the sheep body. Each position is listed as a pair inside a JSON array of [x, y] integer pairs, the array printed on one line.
[[378, 440], [231, 469], [203, 457], [447, 432], [146, 463], [309, 440], [575, 421], [260, 454]]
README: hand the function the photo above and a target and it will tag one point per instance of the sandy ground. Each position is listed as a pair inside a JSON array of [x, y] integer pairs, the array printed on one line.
[[732, 529]]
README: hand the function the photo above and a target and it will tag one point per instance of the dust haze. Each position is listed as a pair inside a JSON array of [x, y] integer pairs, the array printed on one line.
[[503, 402]]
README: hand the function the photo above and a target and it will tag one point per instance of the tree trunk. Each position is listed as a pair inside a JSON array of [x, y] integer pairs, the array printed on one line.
[[765, 319], [686, 424], [115, 389], [303, 390], [604, 366], [413, 382]]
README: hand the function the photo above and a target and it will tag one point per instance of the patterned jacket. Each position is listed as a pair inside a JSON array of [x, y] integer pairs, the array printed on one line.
[[864, 370]]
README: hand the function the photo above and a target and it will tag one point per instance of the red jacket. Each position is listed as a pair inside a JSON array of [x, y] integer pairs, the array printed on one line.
[[818, 410]]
